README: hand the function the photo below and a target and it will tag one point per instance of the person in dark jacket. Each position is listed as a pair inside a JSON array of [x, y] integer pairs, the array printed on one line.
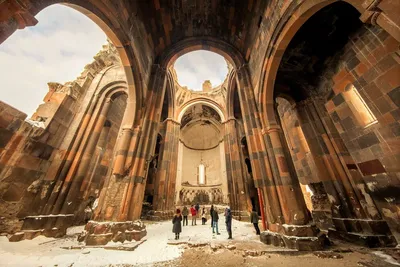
[[228, 222], [254, 221], [215, 218], [185, 213], [211, 214], [176, 221]]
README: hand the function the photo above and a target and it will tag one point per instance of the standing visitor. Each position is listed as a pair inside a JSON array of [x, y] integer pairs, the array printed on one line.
[[211, 214], [197, 207], [215, 218], [176, 221], [185, 213], [194, 213], [254, 221], [203, 216], [228, 222]]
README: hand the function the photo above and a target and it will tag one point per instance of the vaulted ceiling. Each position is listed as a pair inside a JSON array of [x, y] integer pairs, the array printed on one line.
[[169, 21]]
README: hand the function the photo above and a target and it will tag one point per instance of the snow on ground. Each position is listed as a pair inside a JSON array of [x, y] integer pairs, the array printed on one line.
[[43, 251]]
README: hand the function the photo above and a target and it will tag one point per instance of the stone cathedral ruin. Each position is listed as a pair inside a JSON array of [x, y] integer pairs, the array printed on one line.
[[304, 129]]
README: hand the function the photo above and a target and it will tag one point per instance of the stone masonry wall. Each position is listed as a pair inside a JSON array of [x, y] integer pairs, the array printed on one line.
[[371, 63]]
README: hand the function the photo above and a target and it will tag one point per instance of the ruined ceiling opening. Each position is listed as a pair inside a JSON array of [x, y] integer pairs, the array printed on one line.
[[201, 70], [55, 50]]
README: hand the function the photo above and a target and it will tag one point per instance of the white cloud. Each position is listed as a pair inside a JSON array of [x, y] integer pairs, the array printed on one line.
[[55, 50], [195, 67]]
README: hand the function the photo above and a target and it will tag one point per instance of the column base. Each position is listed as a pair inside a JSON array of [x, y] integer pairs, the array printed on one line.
[[369, 233], [37, 225], [299, 237], [100, 233], [293, 242]]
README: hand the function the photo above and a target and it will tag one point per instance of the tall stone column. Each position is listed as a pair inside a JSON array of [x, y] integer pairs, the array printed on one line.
[[80, 165], [353, 210], [131, 204], [112, 193], [122, 196], [72, 153], [101, 147], [163, 201], [122, 151], [262, 174], [239, 194], [279, 190], [289, 191]]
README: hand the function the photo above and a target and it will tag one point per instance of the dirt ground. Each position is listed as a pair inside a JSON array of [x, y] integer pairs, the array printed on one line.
[[200, 257], [243, 255]]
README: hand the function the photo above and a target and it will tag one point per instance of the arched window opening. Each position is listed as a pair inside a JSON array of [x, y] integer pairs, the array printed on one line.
[[357, 105], [202, 174]]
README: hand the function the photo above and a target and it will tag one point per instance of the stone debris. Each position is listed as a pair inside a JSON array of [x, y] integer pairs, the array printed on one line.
[[330, 255]]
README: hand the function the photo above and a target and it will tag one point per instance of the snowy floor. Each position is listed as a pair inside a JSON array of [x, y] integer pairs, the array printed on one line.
[[43, 251]]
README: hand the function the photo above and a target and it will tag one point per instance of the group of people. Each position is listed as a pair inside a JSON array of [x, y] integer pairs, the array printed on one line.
[[194, 211]]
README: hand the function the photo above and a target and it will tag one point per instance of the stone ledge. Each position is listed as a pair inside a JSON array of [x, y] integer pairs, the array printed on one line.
[[365, 239], [100, 233], [293, 242]]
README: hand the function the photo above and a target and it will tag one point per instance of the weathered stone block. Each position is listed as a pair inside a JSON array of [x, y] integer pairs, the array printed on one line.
[[100, 233]]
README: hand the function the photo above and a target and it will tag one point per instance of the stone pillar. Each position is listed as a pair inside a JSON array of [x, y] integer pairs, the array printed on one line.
[[77, 172], [64, 169], [163, 201], [112, 193], [123, 197], [353, 211], [122, 151], [133, 205], [262, 174], [279, 189], [101, 146], [289, 191], [239, 195]]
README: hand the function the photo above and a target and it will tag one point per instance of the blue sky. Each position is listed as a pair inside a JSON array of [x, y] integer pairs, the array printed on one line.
[[58, 48], [195, 67]]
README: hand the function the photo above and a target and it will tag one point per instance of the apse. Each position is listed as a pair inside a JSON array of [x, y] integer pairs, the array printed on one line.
[[201, 163]]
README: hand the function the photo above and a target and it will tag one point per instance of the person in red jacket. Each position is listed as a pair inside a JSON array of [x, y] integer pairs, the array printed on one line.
[[194, 214]]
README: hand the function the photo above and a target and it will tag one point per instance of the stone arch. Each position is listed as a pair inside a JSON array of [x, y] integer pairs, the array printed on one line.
[[278, 46], [106, 20], [204, 101], [232, 87], [220, 47], [170, 94]]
